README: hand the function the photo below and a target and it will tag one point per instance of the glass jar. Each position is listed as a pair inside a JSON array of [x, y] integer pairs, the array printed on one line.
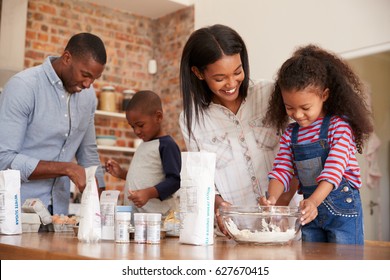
[[127, 95], [108, 99]]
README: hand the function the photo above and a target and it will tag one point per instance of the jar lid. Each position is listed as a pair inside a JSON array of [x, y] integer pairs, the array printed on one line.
[[128, 91], [140, 216], [108, 88], [153, 217], [124, 208]]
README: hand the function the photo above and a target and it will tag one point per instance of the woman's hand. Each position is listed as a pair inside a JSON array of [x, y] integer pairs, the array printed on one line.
[[218, 203]]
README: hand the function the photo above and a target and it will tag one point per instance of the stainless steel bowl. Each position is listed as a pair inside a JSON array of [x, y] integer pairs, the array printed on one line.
[[263, 225]]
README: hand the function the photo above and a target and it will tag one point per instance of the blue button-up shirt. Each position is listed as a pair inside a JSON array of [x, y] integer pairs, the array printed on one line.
[[37, 124]]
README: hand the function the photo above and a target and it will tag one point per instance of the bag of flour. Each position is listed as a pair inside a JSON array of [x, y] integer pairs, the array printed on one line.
[[197, 194], [10, 208], [90, 220]]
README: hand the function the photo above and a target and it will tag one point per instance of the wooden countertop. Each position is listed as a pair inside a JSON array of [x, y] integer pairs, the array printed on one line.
[[62, 246]]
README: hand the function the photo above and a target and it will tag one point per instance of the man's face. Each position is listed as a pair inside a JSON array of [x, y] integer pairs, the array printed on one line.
[[80, 72]]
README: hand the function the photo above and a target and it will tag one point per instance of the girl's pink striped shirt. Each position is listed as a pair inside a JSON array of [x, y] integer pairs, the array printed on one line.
[[341, 161]]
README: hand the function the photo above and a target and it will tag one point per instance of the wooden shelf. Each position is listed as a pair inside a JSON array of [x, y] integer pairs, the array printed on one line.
[[113, 148], [110, 114], [116, 148]]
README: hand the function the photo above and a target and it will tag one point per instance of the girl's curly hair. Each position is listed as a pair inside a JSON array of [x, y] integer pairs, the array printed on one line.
[[312, 66]]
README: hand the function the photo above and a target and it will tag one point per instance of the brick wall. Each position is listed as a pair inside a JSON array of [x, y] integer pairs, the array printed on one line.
[[131, 41]]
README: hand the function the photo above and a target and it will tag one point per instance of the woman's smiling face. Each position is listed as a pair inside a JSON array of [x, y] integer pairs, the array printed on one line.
[[224, 78]]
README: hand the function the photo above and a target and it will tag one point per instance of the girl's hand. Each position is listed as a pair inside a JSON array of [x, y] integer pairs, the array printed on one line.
[[263, 201], [309, 211]]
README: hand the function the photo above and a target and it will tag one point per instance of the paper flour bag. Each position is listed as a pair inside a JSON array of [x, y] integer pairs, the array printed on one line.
[[197, 194], [10, 208], [90, 220]]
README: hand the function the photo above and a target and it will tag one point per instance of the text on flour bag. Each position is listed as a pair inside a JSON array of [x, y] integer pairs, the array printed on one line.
[[197, 194]]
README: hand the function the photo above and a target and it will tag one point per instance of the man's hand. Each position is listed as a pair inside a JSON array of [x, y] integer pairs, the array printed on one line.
[[54, 169]]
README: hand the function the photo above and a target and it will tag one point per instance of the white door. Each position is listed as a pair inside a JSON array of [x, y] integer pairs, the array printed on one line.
[[371, 205]]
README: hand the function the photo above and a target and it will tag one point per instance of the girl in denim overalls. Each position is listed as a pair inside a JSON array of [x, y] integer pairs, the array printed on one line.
[[320, 92]]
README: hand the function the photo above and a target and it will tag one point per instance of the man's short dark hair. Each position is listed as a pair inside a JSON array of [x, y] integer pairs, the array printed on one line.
[[84, 44]]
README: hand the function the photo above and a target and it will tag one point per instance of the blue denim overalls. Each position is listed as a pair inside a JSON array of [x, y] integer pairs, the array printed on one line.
[[340, 217]]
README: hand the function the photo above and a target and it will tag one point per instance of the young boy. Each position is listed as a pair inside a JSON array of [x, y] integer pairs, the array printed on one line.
[[154, 172]]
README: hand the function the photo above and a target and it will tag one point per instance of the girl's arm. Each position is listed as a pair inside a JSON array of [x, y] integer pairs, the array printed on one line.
[[309, 206], [285, 198], [275, 190], [276, 194], [282, 185]]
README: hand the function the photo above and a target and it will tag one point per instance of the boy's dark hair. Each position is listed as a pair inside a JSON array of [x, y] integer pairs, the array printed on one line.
[[312, 66], [87, 44], [147, 101]]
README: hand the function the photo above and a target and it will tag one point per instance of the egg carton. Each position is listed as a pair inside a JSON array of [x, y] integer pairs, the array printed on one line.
[[30, 222], [63, 227]]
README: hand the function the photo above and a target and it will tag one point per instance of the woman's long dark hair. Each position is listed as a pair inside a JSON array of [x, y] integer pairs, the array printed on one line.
[[205, 46]]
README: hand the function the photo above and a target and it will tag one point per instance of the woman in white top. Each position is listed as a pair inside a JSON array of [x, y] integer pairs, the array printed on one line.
[[223, 112]]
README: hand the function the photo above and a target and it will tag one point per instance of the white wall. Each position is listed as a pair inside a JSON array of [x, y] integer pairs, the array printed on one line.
[[273, 28]]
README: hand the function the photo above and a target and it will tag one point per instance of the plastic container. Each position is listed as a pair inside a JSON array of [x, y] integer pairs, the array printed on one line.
[[108, 203], [153, 228], [107, 99], [140, 227], [122, 224]]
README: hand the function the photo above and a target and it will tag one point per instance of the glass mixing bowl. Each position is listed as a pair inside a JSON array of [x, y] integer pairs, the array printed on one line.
[[262, 225]]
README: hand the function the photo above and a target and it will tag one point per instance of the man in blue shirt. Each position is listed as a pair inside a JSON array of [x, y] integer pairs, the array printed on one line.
[[47, 126]]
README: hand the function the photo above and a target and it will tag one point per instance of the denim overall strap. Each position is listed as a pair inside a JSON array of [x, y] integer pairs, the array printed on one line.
[[294, 134], [324, 127], [309, 158]]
